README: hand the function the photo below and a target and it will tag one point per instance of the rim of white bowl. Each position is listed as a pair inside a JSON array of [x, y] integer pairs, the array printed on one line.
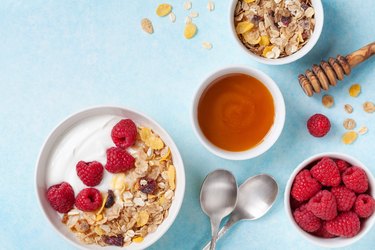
[[179, 192], [332, 242], [272, 135], [319, 21]]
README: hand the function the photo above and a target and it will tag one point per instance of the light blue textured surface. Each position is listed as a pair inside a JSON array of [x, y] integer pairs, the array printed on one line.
[[57, 57]]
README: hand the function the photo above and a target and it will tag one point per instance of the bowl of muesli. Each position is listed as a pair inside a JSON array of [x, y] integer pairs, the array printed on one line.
[[109, 177], [276, 31]]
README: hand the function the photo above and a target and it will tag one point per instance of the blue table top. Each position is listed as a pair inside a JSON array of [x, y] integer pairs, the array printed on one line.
[[58, 57]]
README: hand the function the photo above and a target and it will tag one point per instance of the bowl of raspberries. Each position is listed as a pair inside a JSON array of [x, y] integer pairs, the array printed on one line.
[[329, 199]]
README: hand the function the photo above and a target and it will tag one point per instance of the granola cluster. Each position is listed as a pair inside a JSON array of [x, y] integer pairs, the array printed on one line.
[[138, 201], [274, 28]]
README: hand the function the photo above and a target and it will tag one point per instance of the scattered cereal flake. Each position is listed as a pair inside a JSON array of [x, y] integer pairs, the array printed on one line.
[[194, 14], [363, 130], [155, 143], [190, 30], [188, 20], [138, 239], [349, 124], [171, 176], [327, 101], [207, 45], [348, 108], [210, 5], [187, 5], [142, 219], [369, 107], [172, 17], [266, 50], [243, 27], [163, 9], [264, 40], [146, 25], [355, 90], [349, 137]]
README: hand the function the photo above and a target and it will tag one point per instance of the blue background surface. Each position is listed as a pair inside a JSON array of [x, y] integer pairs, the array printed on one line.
[[58, 57]]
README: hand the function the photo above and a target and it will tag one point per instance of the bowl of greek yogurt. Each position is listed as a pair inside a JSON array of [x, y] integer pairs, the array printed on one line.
[[86, 136]]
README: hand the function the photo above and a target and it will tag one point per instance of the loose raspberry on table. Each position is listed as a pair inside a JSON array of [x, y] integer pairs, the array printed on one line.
[[89, 199], [306, 219], [364, 205], [118, 160], [342, 165], [322, 232], [323, 205], [90, 173], [318, 125], [355, 178], [346, 224], [345, 198], [305, 186], [61, 197], [124, 133], [326, 172]]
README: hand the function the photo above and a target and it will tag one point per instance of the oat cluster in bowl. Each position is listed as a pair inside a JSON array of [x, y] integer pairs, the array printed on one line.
[[274, 28]]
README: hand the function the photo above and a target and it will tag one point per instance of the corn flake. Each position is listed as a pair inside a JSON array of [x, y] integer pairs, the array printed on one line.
[[171, 176], [163, 9], [349, 137], [266, 50], [190, 30], [355, 90], [264, 41], [138, 239], [142, 219], [243, 27]]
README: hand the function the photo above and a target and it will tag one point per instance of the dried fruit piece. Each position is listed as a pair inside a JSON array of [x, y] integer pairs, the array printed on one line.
[[327, 101], [264, 41], [355, 90], [362, 130], [147, 185], [138, 239], [163, 9], [171, 177], [348, 108], [114, 240], [207, 45], [142, 219], [349, 124], [190, 30], [146, 25], [243, 27], [349, 137], [369, 107], [110, 199]]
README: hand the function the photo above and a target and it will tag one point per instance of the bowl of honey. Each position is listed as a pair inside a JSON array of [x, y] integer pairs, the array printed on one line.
[[238, 113]]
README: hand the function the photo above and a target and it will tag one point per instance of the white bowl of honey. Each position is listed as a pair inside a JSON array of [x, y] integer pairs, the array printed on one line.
[[238, 113]]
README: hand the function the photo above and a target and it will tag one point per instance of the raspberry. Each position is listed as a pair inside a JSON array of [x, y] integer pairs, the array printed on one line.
[[322, 232], [118, 160], [89, 199], [124, 133], [346, 224], [355, 178], [294, 204], [306, 219], [61, 197], [318, 125], [345, 198], [326, 172], [304, 186], [90, 173], [323, 205], [147, 185], [342, 165], [364, 205]]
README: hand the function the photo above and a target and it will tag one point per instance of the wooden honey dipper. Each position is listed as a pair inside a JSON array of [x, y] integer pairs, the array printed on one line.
[[321, 77]]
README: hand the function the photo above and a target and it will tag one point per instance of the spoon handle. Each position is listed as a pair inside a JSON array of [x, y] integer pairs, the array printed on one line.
[[215, 224], [222, 231]]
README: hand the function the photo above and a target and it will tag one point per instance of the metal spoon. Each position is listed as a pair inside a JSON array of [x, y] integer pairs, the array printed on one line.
[[218, 198], [255, 197]]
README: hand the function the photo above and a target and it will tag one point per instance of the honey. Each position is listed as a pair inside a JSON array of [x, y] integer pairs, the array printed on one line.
[[236, 112]]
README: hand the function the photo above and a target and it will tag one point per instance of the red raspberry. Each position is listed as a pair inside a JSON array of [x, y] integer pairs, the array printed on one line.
[[124, 133], [345, 198], [326, 172], [306, 219], [323, 205], [342, 165], [61, 197], [304, 186], [90, 173], [89, 199], [118, 160], [346, 224], [318, 125], [322, 232], [364, 206], [294, 204], [355, 178]]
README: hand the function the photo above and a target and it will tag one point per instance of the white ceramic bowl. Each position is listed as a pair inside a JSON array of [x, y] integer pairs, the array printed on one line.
[[319, 19], [334, 242], [55, 137], [272, 135]]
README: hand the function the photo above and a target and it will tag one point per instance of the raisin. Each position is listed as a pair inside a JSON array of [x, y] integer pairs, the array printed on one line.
[[286, 20], [304, 6], [256, 19], [110, 199], [149, 187], [114, 240]]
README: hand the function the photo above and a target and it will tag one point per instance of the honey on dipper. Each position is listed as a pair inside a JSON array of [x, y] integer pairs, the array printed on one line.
[[236, 112]]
